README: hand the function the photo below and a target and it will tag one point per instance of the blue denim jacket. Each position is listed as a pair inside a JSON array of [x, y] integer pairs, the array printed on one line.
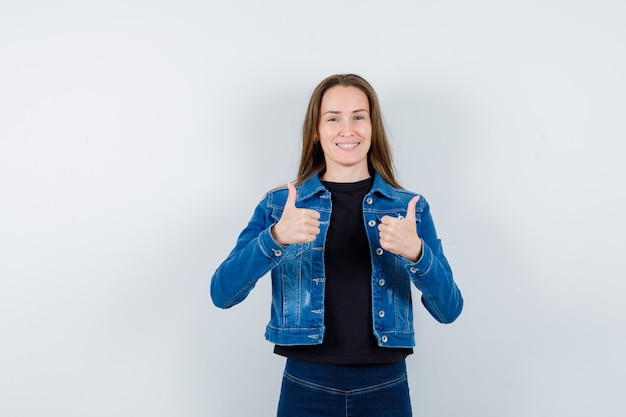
[[297, 271]]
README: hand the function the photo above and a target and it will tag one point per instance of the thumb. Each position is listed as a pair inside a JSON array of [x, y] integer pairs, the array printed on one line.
[[291, 197], [410, 208]]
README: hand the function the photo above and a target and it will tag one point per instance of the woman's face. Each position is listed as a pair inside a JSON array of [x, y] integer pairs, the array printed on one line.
[[345, 133]]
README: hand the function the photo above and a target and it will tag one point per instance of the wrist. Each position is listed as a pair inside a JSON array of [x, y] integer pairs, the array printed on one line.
[[275, 236], [416, 253]]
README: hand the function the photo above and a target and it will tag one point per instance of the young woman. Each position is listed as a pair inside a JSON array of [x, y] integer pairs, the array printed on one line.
[[343, 246]]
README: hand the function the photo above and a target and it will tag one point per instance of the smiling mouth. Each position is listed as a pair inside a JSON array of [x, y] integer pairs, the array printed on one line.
[[347, 146]]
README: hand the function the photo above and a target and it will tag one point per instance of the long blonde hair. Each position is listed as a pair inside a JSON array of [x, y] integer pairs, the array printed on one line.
[[312, 159]]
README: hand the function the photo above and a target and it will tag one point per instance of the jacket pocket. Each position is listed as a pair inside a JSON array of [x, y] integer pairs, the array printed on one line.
[[296, 250]]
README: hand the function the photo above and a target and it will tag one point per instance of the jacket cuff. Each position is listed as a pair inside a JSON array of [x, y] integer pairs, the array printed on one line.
[[269, 246], [422, 266]]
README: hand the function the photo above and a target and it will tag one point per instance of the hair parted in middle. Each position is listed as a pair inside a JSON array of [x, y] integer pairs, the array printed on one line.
[[312, 159]]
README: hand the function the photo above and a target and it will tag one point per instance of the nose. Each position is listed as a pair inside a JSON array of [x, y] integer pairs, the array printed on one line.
[[346, 129]]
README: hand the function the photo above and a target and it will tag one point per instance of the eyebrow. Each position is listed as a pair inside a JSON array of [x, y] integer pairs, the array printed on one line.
[[338, 112]]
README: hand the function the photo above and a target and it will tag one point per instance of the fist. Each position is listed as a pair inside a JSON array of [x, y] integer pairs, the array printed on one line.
[[296, 225], [398, 235]]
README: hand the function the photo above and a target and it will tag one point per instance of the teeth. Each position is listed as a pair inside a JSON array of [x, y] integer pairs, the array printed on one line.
[[347, 145]]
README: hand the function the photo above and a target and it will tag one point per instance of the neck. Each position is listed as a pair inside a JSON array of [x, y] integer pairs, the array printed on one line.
[[346, 175]]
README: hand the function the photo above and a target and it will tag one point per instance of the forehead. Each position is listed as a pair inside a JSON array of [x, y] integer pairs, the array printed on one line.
[[339, 98]]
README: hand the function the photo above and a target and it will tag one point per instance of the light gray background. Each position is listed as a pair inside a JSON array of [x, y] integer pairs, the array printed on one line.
[[136, 137]]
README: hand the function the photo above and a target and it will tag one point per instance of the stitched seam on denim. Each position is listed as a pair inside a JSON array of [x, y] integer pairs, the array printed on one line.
[[267, 255], [358, 391], [314, 386], [251, 284], [437, 312], [237, 297], [430, 265], [380, 386]]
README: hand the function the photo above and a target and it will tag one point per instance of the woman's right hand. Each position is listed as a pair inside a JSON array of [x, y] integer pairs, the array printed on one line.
[[296, 225]]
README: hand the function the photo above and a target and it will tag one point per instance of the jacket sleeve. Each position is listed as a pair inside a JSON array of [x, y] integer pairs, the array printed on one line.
[[432, 274], [255, 254]]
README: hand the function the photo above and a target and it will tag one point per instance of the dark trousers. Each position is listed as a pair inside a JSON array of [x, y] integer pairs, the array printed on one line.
[[325, 390]]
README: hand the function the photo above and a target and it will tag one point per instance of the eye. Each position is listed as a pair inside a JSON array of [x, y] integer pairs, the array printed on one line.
[[333, 119], [359, 117]]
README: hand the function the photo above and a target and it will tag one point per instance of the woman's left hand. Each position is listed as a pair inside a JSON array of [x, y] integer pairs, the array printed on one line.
[[399, 235]]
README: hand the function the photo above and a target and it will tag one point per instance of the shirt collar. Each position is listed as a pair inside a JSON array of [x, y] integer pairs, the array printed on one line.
[[313, 186]]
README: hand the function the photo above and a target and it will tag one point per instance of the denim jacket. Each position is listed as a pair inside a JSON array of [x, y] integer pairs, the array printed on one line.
[[297, 271]]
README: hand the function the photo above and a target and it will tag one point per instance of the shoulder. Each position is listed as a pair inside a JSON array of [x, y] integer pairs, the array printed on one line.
[[278, 190], [402, 197], [276, 197], [403, 194], [398, 194]]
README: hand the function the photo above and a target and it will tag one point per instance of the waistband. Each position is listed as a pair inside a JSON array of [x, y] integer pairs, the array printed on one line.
[[345, 377]]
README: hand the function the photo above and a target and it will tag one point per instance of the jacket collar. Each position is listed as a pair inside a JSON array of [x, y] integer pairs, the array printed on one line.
[[313, 186], [383, 187]]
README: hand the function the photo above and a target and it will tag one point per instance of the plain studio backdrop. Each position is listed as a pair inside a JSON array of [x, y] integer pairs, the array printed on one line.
[[136, 138]]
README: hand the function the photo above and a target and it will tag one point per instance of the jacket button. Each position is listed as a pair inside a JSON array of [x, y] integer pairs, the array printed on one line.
[[381, 314], [384, 339], [379, 251], [369, 200], [413, 269], [381, 282], [371, 223], [277, 252]]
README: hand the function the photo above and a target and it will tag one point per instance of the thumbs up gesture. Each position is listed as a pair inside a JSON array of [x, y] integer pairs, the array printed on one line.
[[399, 236], [296, 225]]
